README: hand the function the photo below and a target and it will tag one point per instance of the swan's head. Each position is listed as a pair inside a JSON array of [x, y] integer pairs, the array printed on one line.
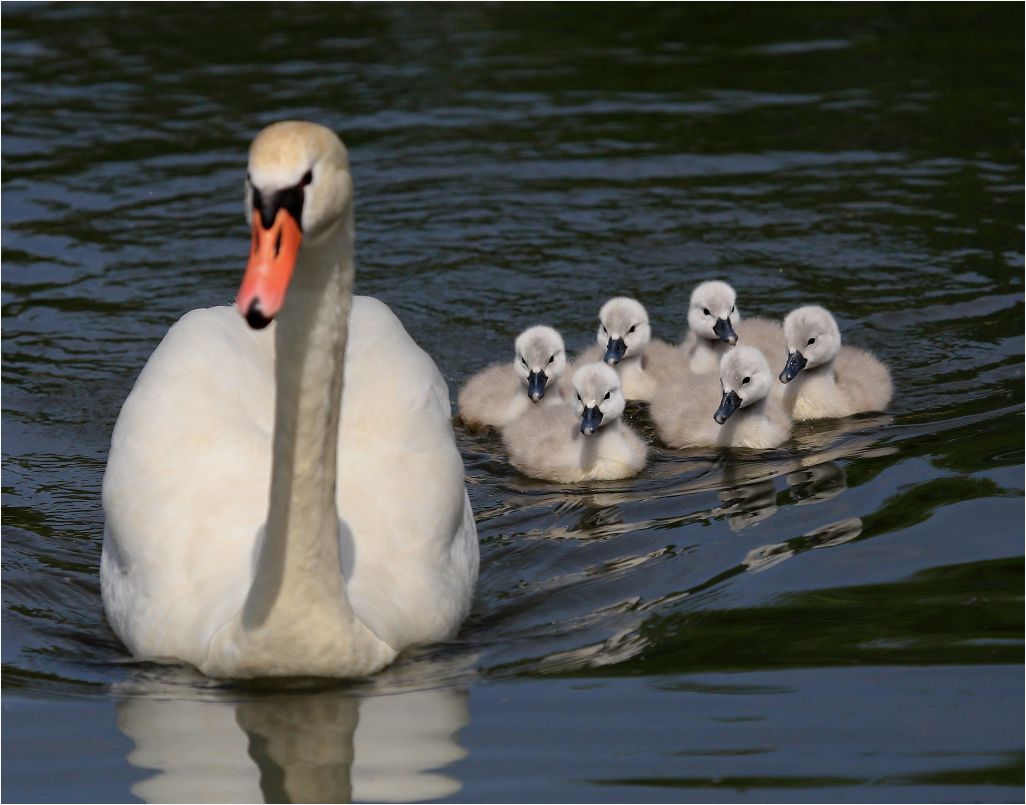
[[540, 358], [298, 190], [745, 377], [712, 312], [599, 398], [623, 329], [813, 339]]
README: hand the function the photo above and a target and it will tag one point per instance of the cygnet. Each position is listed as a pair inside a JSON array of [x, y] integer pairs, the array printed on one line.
[[825, 379], [625, 341], [582, 440], [497, 395], [734, 411], [715, 325]]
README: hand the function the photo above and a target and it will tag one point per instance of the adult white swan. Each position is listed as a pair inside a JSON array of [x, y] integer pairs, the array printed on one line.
[[255, 526]]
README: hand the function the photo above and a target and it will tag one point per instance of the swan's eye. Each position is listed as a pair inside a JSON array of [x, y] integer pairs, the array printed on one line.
[[705, 310], [523, 361], [746, 380], [605, 330], [633, 328], [731, 308], [811, 342], [307, 178], [607, 395], [552, 359], [579, 399]]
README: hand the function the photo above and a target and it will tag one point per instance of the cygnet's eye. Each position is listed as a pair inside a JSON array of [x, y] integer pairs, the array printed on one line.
[[633, 328], [607, 395], [552, 359], [705, 310], [605, 330], [811, 342], [731, 308], [307, 178], [579, 399], [523, 361], [746, 380]]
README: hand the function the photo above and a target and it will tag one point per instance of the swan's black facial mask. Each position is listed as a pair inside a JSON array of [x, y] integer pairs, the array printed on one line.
[[290, 199]]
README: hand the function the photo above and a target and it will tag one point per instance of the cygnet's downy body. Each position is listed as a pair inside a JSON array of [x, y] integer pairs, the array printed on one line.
[[582, 440], [497, 395], [715, 325], [823, 378], [625, 342], [734, 411]]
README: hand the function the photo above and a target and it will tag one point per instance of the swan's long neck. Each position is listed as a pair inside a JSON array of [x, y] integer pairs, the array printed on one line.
[[299, 558], [297, 618]]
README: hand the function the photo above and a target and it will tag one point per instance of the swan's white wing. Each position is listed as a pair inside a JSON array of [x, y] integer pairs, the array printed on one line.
[[186, 486], [413, 561]]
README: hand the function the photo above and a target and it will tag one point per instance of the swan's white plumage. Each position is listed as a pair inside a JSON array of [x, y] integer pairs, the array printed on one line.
[[186, 487], [189, 477]]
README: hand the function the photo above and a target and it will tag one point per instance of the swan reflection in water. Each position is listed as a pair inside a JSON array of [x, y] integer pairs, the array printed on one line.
[[314, 746]]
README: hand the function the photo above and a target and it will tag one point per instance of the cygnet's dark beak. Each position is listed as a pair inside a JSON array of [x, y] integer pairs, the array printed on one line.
[[590, 420], [795, 363], [724, 331], [536, 385], [615, 350], [728, 405]]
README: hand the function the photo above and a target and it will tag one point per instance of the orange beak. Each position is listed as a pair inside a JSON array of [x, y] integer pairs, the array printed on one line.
[[272, 259]]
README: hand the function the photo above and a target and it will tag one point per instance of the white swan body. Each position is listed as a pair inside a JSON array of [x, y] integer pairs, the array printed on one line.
[[685, 410], [500, 393], [583, 441], [625, 342], [715, 325], [282, 501], [825, 379]]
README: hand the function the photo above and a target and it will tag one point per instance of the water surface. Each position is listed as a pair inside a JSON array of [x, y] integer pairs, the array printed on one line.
[[840, 618]]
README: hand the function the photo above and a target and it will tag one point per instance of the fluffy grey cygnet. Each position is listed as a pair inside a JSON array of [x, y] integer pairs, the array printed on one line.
[[582, 440], [625, 342], [735, 410], [825, 379], [497, 395], [715, 325]]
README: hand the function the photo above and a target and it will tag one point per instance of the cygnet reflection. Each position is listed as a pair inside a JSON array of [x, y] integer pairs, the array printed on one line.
[[766, 556]]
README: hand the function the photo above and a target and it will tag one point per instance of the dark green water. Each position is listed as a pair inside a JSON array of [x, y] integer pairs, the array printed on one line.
[[837, 619]]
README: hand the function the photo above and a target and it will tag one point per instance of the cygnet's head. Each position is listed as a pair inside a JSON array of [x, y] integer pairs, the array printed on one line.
[[813, 339], [540, 358], [745, 377], [713, 313], [298, 191], [623, 329], [599, 396]]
